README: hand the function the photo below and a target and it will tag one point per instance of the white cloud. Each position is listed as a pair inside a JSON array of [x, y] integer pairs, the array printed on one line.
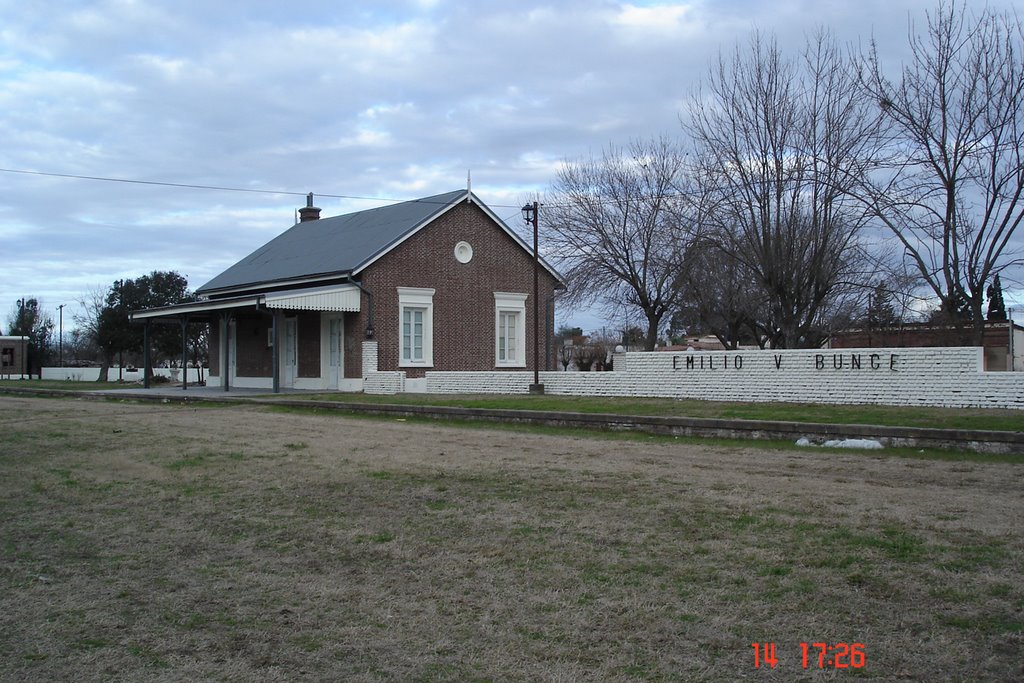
[[663, 22], [169, 69], [391, 98]]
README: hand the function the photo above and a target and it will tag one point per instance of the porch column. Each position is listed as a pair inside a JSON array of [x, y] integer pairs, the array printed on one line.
[[184, 352], [275, 362], [223, 351], [145, 355]]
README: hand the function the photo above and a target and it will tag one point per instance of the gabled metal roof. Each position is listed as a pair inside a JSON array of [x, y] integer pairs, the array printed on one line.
[[335, 245], [327, 248]]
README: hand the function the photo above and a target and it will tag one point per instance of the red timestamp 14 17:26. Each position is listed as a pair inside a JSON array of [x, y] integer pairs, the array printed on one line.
[[821, 655]]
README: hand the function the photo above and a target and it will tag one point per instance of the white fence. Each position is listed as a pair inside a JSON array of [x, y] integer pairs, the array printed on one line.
[[127, 374], [951, 377]]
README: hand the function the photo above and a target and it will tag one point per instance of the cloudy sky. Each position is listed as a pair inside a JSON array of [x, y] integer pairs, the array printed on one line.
[[357, 102]]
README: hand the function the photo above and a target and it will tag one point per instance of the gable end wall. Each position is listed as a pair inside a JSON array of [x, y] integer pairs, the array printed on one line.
[[463, 334]]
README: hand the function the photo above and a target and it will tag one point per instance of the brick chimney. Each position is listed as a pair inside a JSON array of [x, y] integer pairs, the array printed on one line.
[[309, 212]]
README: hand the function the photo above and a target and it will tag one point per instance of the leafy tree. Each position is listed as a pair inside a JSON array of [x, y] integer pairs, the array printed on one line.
[[614, 225], [116, 334], [996, 306], [952, 187], [29, 320]]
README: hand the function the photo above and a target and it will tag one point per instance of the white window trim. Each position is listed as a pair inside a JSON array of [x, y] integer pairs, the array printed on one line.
[[511, 303], [417, 297]]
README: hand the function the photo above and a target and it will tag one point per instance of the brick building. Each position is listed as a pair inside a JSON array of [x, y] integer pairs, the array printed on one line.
[[439, 283], [1003, 344], [14, 357]]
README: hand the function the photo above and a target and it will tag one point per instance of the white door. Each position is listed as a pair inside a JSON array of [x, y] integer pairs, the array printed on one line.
[[290, 362], [335, 351]]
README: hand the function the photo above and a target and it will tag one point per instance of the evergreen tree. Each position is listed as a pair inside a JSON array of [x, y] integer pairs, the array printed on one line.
[[881, 312], [996, 307]]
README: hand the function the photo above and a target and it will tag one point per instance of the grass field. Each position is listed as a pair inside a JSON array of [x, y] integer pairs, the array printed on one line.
[[157, 542]]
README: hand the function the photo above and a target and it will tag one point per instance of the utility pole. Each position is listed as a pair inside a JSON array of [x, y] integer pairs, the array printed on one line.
[[21, 331], [60, 341]]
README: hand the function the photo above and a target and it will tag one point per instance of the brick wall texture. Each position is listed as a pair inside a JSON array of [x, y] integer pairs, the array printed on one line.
[[463, 332]]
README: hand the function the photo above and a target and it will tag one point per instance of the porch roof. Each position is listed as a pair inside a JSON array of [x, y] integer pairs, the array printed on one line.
[[339, 298], [199, 309]]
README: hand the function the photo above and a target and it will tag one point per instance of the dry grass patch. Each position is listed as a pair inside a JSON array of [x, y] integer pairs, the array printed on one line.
[[150, 543]]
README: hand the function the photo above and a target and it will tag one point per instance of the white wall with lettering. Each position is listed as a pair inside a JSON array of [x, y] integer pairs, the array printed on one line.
[[951, 377]]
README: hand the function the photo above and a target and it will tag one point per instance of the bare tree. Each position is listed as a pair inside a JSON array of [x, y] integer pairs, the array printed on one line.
[[778, 142], [721, 296], [92, 306], [952, 190], [615, 228]]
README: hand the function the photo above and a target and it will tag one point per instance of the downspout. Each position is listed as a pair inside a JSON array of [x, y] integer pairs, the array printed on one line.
[[369, 307], [549, 313], [1012, 364], [549, 323]]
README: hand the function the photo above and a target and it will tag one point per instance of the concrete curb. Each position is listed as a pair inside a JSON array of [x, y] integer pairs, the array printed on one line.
[[984, 441], [914, 437]]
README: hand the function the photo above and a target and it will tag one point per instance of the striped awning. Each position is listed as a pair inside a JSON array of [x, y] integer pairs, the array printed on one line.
[[344, 298]]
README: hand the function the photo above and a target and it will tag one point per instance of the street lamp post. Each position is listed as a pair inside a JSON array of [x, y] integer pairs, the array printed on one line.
[[530, 212], [60, 341]]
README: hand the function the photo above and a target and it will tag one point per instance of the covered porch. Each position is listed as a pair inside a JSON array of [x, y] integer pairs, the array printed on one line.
[[292, 339]]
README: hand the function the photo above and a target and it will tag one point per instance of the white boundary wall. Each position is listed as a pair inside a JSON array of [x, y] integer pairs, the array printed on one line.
[[951, 377], [92, 374]]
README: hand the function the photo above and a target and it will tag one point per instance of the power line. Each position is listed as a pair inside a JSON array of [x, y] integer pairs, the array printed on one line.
[[226, 188], [190, 186], [218, 188]]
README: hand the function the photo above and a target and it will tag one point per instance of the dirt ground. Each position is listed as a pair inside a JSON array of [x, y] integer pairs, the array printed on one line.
[[157, 542]]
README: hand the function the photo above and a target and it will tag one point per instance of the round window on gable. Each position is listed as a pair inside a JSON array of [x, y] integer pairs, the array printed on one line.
[[463, 252]]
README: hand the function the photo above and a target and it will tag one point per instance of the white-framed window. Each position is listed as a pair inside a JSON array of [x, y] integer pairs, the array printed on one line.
[[509, 330], [415, 327]]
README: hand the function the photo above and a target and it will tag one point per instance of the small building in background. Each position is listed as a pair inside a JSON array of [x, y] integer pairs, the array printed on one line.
[[708, 342], [1003, 345], [14, 357]]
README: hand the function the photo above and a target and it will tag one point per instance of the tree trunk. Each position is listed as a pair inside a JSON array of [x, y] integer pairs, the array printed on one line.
[[653, 321], [978, 330], [105, 367]]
